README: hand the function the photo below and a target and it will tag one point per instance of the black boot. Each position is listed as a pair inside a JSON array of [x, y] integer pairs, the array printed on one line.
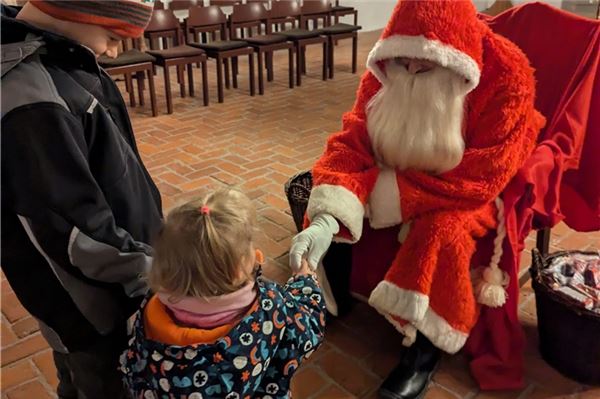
[[410, 378]]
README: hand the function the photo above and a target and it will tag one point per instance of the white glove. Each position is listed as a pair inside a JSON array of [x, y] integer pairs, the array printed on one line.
[[314, 241]]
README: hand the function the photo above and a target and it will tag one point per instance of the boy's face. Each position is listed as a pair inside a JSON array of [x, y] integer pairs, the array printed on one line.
[[96, 38]]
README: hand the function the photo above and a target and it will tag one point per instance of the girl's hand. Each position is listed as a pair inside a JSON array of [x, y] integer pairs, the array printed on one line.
[[304, 268]]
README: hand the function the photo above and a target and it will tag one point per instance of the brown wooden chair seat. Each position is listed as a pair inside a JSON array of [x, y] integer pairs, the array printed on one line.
[[340, 28], [128, 57], [165, 26], [296, 34], [176, 52], [220, 45], [133, 64], [266, 39]]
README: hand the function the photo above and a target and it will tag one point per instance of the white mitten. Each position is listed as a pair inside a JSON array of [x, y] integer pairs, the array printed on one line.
[[313, 241]]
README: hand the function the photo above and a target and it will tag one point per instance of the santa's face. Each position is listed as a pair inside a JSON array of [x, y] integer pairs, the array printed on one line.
[[415, 120]]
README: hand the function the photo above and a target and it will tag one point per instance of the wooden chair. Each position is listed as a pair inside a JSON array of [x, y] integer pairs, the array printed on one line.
[[133, 62], [254, 15], [284, 13], [211, 19], [164, 26], [321, 9]]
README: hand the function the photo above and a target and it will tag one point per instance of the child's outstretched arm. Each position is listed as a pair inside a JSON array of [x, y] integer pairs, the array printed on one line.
[[305, 308]]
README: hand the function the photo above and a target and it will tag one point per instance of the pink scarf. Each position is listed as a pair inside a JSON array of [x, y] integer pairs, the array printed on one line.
[[210, 312]]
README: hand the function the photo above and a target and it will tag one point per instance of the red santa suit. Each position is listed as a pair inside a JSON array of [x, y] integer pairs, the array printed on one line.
[[428, 285]]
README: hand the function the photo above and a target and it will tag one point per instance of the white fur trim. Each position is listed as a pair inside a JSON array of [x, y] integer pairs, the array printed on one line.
[[428, 49], [340, 203], [403, 233], [389, 298], [384, 201], [440, 333]]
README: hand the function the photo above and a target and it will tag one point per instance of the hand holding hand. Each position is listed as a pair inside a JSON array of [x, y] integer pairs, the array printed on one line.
[[313, 241]]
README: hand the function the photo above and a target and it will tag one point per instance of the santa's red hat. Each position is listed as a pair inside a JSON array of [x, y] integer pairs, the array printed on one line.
[[446, 32]]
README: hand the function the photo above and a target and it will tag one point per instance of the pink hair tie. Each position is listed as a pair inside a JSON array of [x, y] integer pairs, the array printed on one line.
[[205, 210]]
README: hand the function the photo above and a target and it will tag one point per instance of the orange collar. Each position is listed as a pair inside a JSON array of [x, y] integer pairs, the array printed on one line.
[[160, 327]]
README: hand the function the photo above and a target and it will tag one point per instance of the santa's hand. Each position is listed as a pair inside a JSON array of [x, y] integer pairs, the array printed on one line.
[[313, 242]]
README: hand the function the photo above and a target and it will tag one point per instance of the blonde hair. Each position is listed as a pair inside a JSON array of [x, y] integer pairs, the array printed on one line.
[[202, 246]]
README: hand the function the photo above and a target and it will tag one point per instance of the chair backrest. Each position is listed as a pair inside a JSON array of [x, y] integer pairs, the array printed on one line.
[[207, 19], [185, 4], [247, 16], [285, 8], [159, 5], [315, 10], [163, 25], [284, 12], [311, 7]]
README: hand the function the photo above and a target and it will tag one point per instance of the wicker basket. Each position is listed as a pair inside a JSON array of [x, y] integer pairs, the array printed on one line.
[[297, 190], [569, 334]]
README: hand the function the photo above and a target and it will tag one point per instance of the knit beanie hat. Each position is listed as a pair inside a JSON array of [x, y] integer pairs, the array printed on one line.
[[127, 18]]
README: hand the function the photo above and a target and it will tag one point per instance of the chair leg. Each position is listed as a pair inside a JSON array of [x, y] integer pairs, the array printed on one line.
[[269, 61], [140, 83], [325, 59], [190, 72], [331, 50], [261, 81], [181, 79], [298, 64], [220, 78], [291, 66], [234, 72], [227, 81], [130, 89], [204, 84], [152, 92], [168, 89], [354, 51], [251, 73]]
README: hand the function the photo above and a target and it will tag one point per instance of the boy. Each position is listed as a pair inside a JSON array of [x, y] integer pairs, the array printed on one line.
[[78, 206]]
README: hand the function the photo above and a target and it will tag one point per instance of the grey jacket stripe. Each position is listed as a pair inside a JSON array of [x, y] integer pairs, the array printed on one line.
[[39, 88], [96, 304], [102, 262]]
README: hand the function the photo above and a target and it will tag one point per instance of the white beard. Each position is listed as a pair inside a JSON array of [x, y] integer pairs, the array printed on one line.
[[415, 121]]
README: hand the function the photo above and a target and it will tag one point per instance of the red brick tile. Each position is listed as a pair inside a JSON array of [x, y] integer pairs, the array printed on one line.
[[8, 337], [306, 382], [173, 178], [590, 393], [17, 374], [25, 327], [347, 341], [12, 308], [454, 375], [30, 390], [273, 230], [435, 392], [334, 392], [24, 348], [45, 363], [351, 377]]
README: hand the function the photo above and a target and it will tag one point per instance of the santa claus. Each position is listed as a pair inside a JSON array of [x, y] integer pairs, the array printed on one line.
[[444, 117]]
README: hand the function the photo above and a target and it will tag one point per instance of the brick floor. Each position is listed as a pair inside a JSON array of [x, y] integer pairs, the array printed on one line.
[[257, 143]]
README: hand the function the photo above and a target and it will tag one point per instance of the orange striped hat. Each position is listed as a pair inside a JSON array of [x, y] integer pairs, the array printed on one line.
[[127, 18]]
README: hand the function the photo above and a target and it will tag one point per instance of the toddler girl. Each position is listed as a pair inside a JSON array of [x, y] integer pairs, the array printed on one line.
[[214, 328]]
